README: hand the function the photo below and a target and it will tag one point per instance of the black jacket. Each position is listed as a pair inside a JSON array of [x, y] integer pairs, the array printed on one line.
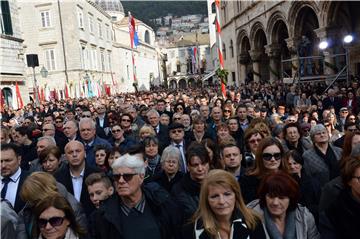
[[186, 194], [63, 176], [249, 185], [164, 182], [19, 203], [341, 219], [108, 219], [240, 230]]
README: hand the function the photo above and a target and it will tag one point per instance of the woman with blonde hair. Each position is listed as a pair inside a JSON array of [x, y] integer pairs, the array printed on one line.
[[146, 131], [38, 186], [222, 212]]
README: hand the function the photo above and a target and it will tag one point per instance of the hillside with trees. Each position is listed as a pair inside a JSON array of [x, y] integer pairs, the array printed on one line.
[[146, 10]]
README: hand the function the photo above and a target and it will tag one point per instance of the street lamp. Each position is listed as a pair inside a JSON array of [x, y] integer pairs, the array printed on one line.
[[346, 41], [323, 45], [43, 72]]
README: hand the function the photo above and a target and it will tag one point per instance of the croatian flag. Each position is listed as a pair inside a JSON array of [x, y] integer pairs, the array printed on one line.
[[134, 39]]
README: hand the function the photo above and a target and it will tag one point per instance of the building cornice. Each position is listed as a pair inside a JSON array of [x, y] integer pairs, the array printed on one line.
[[98, 8], [12, 38]]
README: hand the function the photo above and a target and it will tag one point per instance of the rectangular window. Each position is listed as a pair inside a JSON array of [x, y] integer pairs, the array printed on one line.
[[45, 18], [91, 24], [50, 59], [93, 59], [102, 56], [81, 19], [100, 30], [109, 60], [5, 18], [107, 32]]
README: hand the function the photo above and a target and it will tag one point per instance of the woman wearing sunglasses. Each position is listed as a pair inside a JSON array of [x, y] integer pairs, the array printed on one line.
[[54, 218], [268, 158]]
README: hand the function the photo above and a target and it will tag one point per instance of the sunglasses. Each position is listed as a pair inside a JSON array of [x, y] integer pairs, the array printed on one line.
[[116, 130], [268, 156], [46, 130], [58, 122], [227, 111], [177, 118], [86, 116], [54, 221], [126, 176], [177, 131], [126, 120]]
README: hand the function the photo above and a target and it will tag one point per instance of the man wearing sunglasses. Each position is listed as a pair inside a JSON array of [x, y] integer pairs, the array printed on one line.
[[322, 161], [136, 210]]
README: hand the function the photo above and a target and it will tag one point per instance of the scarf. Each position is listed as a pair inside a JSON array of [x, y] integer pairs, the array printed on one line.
[[152, 163], [274, 233]]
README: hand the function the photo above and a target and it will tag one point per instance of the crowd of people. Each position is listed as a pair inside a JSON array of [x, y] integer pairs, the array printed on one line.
[[265, 161]]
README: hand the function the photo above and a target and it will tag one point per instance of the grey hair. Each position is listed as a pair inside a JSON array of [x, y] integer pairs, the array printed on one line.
[[163, 115], [50, 139], [152, 112], [87, 120], [73, 122], [129, 161], [51, 125], [316, 129], [170, 151]]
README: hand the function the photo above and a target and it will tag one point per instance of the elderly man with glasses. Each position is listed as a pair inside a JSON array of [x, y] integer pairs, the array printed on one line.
[[136, 210]]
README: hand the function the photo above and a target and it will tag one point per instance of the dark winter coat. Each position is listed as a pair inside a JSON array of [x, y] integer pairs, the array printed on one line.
[[108, 218]]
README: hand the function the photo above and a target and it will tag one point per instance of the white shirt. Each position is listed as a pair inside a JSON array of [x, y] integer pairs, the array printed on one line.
[[12, 187], [77, 184]]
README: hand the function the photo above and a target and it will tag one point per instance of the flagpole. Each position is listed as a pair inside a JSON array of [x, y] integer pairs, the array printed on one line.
[[132, 34], [219, 44]]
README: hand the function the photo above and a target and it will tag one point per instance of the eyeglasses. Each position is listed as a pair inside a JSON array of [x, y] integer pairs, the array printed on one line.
[[126, 176], [268, 156], [253, 141], [58, 121], [54, 221], [177, 131], [126, 120], [177, 118], [86, 116], [46, 129]]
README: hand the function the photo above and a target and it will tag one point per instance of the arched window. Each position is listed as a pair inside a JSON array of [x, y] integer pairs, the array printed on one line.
[[231, 49], [147, 37], [7, 94], [213, 7]]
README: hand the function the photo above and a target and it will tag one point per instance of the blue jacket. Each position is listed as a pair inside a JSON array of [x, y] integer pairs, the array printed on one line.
[[90, 153]]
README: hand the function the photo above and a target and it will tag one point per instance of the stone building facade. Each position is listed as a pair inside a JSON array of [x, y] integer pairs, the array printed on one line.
[[73, 42], [258, 35], [12, 66], [183, 66]]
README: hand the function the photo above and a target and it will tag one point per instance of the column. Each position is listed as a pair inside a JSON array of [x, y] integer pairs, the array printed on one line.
[[256, 58], [273, 51], [243, 60], [327, 33], [292, 46]]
